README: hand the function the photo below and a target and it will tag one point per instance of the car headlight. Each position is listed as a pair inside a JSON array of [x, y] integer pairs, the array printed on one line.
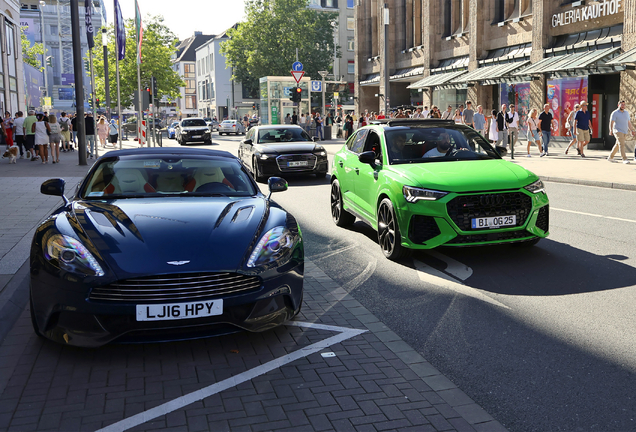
[[275, 246], [71, 255], [320, 150], [265, 156], [413, 194], [535, 187]]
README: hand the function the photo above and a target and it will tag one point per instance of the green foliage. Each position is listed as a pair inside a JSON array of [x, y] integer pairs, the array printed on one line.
[[158, 46], [30, 53], [265, 44]]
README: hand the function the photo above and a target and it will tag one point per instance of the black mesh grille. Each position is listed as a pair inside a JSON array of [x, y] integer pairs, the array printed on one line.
[[464, 208], [423, 228], [176, 287], [543, 219], [284, 160], [490, 237]]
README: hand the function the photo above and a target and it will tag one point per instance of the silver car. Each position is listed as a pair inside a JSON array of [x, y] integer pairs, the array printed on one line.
[[231, 127]]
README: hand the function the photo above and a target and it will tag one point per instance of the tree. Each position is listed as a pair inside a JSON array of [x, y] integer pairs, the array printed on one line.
[[159, 44], [30, 53], [265, 44]]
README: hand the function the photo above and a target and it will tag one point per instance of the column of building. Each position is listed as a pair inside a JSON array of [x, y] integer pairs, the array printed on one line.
[[628, 77]]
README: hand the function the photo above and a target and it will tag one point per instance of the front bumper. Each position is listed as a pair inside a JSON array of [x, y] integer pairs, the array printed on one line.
[[65, 314], [203, 137], [429, 224], [279, 165]]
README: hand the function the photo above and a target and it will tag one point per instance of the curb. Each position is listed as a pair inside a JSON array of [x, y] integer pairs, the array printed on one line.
[[13, 299], [609, 185]]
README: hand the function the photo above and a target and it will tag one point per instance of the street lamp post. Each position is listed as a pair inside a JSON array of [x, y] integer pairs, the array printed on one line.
[[106, 80], [323, 74], [387, 86], [42, 30]]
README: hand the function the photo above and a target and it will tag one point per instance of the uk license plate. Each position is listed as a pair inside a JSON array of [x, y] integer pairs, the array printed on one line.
[[297, 164], [494, 222], [176, 311]]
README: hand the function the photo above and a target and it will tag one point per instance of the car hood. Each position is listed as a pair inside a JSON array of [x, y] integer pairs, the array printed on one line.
[[291, 147], [194, 128], [140, 236], [466, 176]]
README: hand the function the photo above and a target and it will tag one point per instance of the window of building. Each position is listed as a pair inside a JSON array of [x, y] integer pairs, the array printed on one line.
[[190, 86], [10, 49], [350, 44], [211, 57], [456, 17], [191, 102], [54, 30], [207, 64], [351, 67], [350, 4], [189, 71], [329, 3], [314, 3], [351, 23], [211, 90]]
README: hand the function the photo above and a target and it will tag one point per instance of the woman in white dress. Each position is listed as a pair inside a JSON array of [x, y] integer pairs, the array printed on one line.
[[55, 138], [493, 135], [40, 129]]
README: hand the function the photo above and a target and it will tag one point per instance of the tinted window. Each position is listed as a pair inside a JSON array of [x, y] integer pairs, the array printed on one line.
[[357, 142], [155, 176], [193, 122], [282, 135]]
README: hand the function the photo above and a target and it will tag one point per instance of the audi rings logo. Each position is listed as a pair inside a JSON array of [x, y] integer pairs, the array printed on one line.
[[492, 200]]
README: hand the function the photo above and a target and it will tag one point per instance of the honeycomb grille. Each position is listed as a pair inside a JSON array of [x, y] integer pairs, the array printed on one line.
[[422, 229], [464, 208], [543, 219]]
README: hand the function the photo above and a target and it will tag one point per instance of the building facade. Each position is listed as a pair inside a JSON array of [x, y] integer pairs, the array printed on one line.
[[526, 52], [50, 22], [12, 88], [184, 63]]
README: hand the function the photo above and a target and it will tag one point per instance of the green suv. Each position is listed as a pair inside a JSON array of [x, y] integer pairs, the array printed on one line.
[[428, 183]]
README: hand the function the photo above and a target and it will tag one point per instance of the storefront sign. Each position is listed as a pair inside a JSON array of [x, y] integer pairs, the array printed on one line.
[[584, 13]]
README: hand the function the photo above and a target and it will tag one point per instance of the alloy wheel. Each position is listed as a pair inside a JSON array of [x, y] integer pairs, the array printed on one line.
[[386, 229]]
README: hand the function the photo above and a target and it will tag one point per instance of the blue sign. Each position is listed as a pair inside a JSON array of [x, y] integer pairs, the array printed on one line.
[[287, 91], [297, 66], [316, 86]]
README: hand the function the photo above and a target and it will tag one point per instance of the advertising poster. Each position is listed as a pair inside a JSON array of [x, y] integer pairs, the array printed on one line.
[[29, 29], [554, 100], [33, 80], [562, 95]]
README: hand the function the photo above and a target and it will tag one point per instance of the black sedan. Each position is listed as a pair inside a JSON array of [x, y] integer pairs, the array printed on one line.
[[164, 244], [279, 150], [193, 130]]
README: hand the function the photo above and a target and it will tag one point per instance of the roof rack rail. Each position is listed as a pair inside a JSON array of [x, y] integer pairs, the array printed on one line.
[[410, 121]]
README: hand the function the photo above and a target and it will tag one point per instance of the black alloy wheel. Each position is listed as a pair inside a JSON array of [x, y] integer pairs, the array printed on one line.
[[389, 232], [257, 172], [340, 216]]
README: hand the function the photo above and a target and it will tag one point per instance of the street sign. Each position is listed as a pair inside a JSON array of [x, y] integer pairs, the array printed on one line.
[[297, 66], [316, 86], [298, 75], [336, 94]]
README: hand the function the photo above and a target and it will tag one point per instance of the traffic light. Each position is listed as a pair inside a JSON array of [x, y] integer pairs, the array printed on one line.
[[97, 102], [154, 87], [149, 90], [87, 66], [49, 61], [296, 94], [90, 102]]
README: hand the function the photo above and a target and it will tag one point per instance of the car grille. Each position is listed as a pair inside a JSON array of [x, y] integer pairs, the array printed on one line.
[[422, 229], [176, 287], [490, 237], [543, 219], [285, 159], [464, 208]]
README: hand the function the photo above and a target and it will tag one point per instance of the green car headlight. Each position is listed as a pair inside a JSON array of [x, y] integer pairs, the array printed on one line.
[[413, 194], [535, 187]]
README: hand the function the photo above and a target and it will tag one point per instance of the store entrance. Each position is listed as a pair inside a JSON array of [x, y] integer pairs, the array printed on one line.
[[603, 91]]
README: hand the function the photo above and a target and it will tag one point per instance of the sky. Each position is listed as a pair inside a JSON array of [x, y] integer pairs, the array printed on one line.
[[184, 17]]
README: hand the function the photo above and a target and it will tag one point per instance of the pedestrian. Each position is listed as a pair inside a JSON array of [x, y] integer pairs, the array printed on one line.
[[246, 121], [479, 120], [113, 133], [89, 123], [381, 116], [546, 124], [318, 121], [457, 117], [29, 136], [102, 131], [534, 133], [18, 132], [620, 126], [425, 112], [502, 126], [303, 121], [468, 115], [348, 126], [7, 126], [493, 134], [583, 122], [65, 126], [448, 114], [54, 138], [41, 131], [294, 118], [513, 128], [569, 125], [73, 144], [288, 119]]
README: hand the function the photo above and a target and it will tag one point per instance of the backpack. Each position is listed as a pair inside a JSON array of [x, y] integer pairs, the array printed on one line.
[[64, 124]]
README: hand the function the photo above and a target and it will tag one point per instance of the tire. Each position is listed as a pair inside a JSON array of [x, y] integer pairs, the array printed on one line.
[[34, 323], [389, 236], [208, 142], [257, 173], [340, 216], [527, 243]]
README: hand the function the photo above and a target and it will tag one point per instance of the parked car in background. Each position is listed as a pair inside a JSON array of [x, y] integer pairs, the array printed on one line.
[[172, 130], [193, 129], [231, 127], [213, 124]]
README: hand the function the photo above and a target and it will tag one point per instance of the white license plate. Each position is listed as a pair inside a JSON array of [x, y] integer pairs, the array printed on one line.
[[175, 311], [297, 164], [494, 222], [196, 136]]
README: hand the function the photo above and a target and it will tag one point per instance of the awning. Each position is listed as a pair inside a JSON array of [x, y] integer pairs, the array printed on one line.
[[436, 80], [490, 73], [371, 80], [625, 58], [573, 61], [411, 74]]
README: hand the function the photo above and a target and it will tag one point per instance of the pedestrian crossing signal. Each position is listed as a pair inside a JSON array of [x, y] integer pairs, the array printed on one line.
[[296, 94]]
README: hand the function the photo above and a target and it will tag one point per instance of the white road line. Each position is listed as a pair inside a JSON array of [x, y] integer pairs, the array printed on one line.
[[435, 277], [453, 267], [332, 253], [362, 277], [594, 215], [180, 402]]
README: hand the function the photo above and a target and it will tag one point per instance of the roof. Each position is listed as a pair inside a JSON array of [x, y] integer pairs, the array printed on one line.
[[435, 80], [572, 61], [186, 50], [493, 72], [168, 151], [625, 58]]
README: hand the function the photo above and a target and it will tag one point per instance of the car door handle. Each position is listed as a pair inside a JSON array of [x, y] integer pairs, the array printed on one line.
[[357, 171], [341, 164]]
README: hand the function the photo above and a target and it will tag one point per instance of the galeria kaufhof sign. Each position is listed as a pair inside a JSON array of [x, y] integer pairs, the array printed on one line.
[[584, 13]]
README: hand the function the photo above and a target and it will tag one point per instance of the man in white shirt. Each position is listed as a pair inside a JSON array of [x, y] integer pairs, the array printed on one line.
[[513, 127], [443, 145], [18, 132], [426, 112], [448, 114], [418, 114]]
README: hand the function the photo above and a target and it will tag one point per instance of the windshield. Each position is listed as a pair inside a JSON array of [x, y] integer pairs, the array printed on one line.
[[279, 135], [152, 176], [193, 122], [174, 124], [436, 144]]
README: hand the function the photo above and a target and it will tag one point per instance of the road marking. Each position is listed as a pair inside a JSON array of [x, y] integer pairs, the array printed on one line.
[[190, 398], [435, 277], [332, 253], [362, 277], [594, 215], [453, 267]]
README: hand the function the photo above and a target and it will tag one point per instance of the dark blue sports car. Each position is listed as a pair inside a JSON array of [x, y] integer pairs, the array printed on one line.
[[164, 244]]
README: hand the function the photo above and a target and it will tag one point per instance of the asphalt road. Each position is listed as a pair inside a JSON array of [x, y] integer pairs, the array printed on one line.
[[542, 338]]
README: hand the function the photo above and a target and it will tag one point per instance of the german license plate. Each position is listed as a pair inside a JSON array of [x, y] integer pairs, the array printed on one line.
[[494, 222], [196, 136], [176, 311], [297, 164]]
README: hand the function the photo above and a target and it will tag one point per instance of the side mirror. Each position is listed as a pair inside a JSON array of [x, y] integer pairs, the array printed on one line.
[[501, 150], [276, 184], [248, 142], [53, 187], [367, 157]]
